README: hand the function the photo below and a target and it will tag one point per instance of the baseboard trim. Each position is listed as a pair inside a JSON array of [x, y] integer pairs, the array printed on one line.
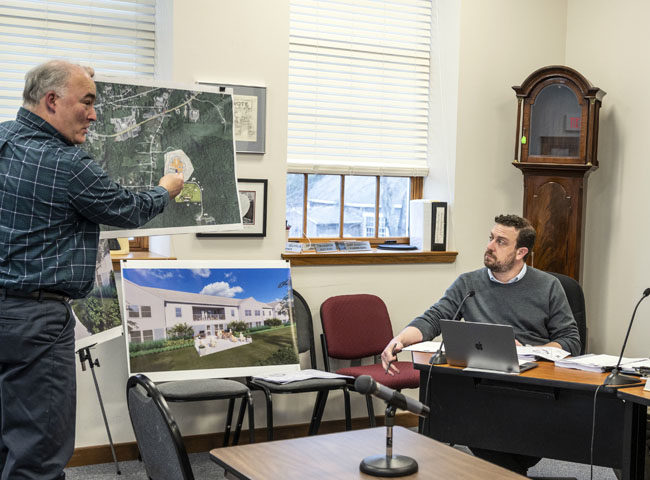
[[205, 442]]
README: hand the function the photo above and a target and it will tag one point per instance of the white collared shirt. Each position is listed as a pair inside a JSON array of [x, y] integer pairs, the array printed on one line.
[[516, 278]]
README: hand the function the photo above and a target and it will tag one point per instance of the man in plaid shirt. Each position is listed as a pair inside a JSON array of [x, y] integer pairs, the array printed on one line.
[[53, 196]]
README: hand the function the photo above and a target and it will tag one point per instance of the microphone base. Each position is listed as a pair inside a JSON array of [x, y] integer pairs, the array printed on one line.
[[438, 359], [383, 466], [618, 379]]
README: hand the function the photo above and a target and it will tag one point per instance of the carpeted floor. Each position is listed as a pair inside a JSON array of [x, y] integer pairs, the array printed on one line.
[[205, 469]]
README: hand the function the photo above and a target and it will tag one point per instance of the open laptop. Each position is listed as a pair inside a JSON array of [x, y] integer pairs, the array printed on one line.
[[482, 346]]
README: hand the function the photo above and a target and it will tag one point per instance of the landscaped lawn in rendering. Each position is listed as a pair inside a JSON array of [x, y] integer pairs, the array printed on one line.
[[264, 344]]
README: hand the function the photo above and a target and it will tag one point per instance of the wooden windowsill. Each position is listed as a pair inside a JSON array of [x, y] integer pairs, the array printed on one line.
[[373, 257], [136, 256]]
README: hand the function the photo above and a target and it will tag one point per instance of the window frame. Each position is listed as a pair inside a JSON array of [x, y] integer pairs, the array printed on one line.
[[416, 188]]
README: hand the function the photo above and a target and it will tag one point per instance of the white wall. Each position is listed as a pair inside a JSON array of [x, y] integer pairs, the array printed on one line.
[[500, 43], [607, 43]]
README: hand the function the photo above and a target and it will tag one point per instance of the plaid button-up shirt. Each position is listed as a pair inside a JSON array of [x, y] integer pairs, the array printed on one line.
[[53, 195]]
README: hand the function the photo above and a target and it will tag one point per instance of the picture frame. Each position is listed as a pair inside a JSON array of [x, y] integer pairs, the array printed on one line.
[[250, 116], [253, 199]]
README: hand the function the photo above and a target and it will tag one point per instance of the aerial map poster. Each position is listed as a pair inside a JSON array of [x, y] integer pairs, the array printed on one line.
[[145, 131], [197, 319]]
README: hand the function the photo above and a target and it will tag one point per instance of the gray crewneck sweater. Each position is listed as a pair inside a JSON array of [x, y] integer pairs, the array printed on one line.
[[535, 306]]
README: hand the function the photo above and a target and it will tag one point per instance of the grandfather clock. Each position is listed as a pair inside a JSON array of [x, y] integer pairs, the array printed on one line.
[[556, 149]]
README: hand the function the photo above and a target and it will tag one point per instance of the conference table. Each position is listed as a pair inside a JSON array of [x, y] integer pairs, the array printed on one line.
[[546, 412], [337, 455]]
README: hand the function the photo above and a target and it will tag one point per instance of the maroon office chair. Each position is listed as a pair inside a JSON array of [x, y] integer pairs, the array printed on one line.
[[358, 326]]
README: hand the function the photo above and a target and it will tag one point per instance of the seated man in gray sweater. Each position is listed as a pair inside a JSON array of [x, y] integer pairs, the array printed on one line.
[[506, 292]]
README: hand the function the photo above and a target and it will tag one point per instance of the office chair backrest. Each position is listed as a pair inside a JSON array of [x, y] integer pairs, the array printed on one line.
[[304, 327], [355, 326], [576, 299], [156, 433]]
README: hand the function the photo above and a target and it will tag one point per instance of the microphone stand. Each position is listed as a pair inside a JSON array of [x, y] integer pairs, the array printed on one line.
[[439, 358], [616, 378], [389, 465]]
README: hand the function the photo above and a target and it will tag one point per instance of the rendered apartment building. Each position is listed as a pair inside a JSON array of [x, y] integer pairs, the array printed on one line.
[[151, 311]]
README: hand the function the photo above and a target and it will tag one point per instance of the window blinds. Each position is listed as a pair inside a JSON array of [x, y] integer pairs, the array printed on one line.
[[116, 37], [359, 86]]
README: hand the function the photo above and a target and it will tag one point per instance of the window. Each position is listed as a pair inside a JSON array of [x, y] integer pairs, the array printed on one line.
[[358, 116], [349, 206], [179, 312], [247, 313], [116, 37], [145, 311], [134, 311], [257, 313], [232, 313], [147, 335], [134, 336]]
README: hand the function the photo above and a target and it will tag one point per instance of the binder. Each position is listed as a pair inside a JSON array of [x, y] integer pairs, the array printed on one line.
[[428, 225]]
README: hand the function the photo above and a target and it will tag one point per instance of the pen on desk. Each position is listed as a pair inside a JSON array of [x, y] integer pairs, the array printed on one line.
[[393, 354]]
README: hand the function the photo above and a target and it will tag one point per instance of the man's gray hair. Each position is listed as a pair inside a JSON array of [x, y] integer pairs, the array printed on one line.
[[46, 77]]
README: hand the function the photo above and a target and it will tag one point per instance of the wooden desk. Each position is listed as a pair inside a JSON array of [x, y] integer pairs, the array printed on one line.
[[338, 455], [636, 402], [545, 412], [635, 394]]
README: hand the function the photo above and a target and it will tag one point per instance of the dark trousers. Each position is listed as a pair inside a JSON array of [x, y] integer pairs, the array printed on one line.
[[511, 461], [37, 388]]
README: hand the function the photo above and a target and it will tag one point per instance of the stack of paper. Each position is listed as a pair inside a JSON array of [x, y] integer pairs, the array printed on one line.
[[300, 375], [595, 363], [531, 354], [426, 347], [641, 366]]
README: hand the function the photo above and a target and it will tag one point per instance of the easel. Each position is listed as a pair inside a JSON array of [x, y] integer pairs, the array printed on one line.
[[84, 355]]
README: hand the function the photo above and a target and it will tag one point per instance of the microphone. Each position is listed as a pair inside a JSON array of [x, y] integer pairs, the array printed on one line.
[[616, 377], [365, 385], [440, 358]]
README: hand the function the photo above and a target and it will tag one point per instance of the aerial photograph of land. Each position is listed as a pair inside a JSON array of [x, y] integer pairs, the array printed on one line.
[[144, 132]]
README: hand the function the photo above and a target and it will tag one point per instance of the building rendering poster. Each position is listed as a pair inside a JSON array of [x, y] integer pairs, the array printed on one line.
[[97, 316], [197, 319]]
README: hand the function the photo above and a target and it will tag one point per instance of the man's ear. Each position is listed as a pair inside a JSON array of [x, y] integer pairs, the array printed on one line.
[[50, 101], [522, 252]]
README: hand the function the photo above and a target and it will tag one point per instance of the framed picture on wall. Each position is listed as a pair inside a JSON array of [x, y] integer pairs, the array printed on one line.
[[252, 203], [250, 116]]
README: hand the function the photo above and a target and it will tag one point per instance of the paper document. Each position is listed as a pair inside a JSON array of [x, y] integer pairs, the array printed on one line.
[[640, 366], [300, 375], [427, 347], [547, 353], [595, 363]]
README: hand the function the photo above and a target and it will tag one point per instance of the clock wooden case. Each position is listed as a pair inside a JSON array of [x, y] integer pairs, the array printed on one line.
[[556, 148]]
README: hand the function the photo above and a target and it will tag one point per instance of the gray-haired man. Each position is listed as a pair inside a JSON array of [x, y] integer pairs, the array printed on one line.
[[53, 197]]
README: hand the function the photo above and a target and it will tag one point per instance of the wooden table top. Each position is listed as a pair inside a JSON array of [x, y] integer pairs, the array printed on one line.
[[545, 372], [338, 455], [635, 394]]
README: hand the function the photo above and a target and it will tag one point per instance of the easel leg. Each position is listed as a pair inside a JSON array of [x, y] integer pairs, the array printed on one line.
[[84, 355]]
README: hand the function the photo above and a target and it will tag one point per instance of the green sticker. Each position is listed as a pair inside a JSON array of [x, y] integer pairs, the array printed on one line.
[[523, 140]]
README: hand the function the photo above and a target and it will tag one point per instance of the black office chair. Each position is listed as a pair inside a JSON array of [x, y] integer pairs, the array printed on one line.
[[576, 299], [157, 435], [305, 333], [215, 389]]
